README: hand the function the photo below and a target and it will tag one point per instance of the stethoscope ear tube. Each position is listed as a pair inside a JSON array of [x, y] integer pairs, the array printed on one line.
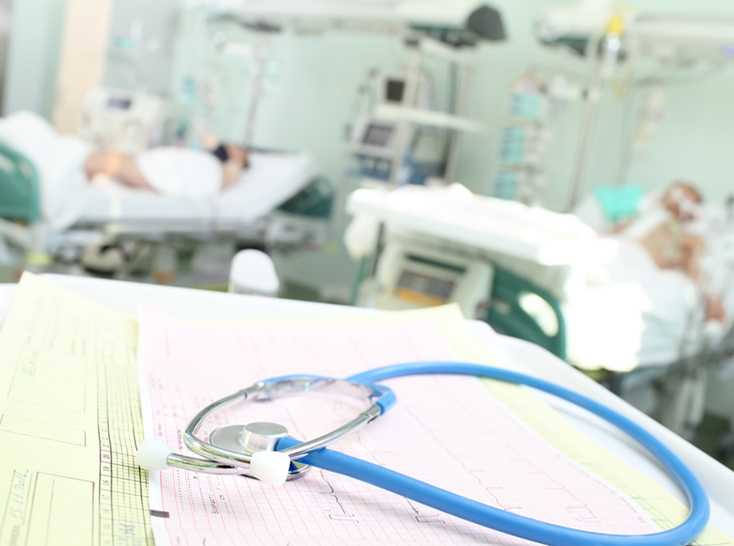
[[507, 522]]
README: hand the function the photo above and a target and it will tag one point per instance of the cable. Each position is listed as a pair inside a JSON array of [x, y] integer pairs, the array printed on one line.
[[507, 522]]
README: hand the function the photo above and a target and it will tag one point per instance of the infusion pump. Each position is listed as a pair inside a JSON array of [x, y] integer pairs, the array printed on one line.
[[414, 275], [122, 120]]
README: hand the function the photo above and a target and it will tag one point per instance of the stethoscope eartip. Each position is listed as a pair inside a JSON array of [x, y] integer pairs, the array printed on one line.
[[153, 455], [270, 467]]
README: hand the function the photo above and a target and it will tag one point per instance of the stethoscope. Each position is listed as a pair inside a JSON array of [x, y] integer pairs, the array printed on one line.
[[265, 451]]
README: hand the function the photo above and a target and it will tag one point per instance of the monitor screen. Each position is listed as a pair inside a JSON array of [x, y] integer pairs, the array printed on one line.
[[394, 90], [119, 103], [440, 289], [378, 135]]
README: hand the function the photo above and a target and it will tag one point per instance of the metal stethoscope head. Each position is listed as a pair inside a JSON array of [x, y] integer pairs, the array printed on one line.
[[251, 450]]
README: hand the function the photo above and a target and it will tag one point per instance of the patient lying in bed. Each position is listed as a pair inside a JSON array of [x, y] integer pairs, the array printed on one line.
[[182, 172], [668, 240], [67, 197], [647, 286], [661, 228]]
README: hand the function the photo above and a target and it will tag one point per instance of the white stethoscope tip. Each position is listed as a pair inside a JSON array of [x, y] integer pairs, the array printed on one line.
[[153, 455], [270, 467]]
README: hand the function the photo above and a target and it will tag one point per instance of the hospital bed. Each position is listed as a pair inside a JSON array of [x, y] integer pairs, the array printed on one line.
[[20, 187], [528, 253], [549, 273], [624, 322], [272, 179], [280, 202]]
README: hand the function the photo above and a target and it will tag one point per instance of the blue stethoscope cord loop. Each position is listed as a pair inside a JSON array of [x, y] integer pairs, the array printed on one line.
[[507, 522]]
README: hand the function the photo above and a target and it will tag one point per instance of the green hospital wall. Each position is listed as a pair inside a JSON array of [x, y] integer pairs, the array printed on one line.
[[36, 31], [320, 75], [692, 141], [311, 90], [308, 104], [313, 80]]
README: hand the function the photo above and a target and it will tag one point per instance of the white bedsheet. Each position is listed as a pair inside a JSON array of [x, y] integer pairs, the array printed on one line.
[[623, 312], [184, 172], [270, 180], [626, 313], [68, 198]]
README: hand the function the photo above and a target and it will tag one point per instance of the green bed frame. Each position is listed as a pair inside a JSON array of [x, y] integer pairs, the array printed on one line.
[[507, 316], [20, 195], [505, 313]]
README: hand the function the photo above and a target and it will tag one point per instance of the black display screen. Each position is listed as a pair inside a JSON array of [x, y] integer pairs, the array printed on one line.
[[394, 90], [119, 103], [377, 135], [425, 284]]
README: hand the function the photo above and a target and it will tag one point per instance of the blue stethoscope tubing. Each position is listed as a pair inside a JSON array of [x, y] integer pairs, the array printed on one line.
[[507, 522]]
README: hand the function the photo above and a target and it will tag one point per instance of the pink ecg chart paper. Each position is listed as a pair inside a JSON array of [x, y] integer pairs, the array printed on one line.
[[448, 431]]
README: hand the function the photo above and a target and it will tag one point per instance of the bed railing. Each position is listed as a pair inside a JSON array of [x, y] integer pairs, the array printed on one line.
[[20, 195]]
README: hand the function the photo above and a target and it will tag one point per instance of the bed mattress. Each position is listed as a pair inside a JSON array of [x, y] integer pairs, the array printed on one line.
[[271, 180]]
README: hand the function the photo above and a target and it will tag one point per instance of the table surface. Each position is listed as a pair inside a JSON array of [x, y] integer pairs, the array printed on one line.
[[514, 354]]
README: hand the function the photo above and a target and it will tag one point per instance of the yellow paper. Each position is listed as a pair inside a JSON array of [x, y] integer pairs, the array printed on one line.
[[70, 422]]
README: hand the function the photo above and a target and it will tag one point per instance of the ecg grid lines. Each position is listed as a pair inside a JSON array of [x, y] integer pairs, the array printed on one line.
[[74, 397], [325, 508], [123, 491]]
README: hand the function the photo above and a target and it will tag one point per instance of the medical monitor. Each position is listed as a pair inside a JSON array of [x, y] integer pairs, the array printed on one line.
[[395, 90], [378, 135], [119, 103]]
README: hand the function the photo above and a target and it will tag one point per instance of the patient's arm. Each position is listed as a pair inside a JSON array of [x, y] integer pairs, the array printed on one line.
[[231, 173], [692, 250], [670, 248], [120, 166], [715, 309], [238, 162]]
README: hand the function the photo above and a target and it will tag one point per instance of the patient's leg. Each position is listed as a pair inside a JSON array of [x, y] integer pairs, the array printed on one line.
[[120, 166]]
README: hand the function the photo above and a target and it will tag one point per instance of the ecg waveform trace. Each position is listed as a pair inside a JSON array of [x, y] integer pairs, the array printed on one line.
[[449, 432]]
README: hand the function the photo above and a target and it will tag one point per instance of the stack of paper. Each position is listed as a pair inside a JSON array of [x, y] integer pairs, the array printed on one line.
[[71, 422]]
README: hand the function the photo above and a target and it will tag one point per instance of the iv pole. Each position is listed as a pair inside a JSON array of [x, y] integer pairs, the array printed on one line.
[[612, 40]]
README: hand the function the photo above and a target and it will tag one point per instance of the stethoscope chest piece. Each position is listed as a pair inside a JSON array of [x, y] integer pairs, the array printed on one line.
[[254, 438]]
